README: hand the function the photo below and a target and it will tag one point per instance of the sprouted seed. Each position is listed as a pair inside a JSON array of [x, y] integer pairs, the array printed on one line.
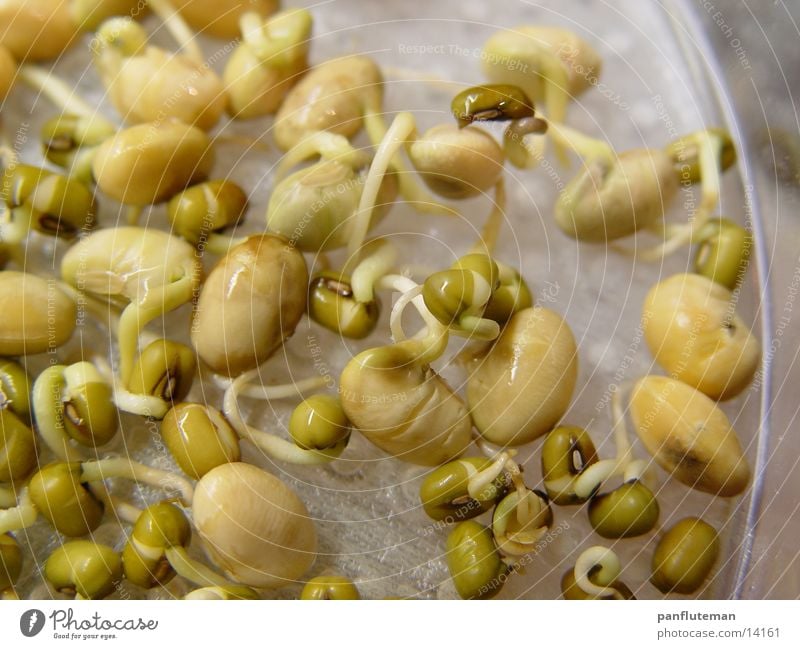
[[273, 540], [689, 436], [74, 403], [694, 333], [513, 382], [521, 386], [25, 300], [270, 60], [148, 84], [332, 97], [36, 30], [151, 273], [262, 280]]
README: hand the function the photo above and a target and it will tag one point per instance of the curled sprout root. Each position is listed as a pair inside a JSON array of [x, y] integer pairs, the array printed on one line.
[[478, 481], [154, 272], [520, 520], [596, 571], [378, 258], [274, 446], [445, 492], [73, 403], [524, 152], [624, 464], [347, 304], [146, 405], [521, 517], [19, 517], [458, 296], [474, 295], [136, 316], [326, 145], [432, 340]]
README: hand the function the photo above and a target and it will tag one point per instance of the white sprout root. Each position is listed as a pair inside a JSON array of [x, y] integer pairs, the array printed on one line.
[[624, 464], [21, 516], [378, 259], [135, 317], [556, 97], [123, 511], [401, 129], [522, 149], [140, 404], [588, 562], [435, 333], [477, 328], [328, 146], [584, 146], [274, 446], [137, 404], [98, 470], [677, 236], [528, 509], [411, 293], [477, 481], [221, 244], [48, 411], [144, 405], [178, 28], [59, 93], [487, 242], [410, 188], [193, 571]]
